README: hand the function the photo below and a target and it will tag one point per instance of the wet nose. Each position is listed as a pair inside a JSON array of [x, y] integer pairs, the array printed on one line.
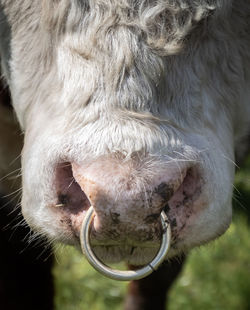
[[127, 202]]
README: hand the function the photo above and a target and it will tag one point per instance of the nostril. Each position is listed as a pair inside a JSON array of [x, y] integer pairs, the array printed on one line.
[[63, 199], [69, 193]]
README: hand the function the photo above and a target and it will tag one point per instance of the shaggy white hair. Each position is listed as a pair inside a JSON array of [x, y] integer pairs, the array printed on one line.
[[161, 78]]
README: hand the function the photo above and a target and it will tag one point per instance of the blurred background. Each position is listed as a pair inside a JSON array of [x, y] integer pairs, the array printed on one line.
[[216, 276]]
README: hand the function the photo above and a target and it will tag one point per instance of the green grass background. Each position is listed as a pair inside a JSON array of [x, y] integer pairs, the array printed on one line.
[[215, 277]]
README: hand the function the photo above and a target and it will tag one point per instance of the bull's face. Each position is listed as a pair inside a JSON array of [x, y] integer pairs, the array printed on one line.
[[119, 114]]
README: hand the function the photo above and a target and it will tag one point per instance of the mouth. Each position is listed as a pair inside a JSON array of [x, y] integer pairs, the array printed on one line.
[[134, 255]]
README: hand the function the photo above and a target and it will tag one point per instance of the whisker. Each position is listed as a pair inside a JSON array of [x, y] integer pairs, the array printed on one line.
[[239, 203], [73, 180], [16, 191], [230, 160], [7, 175], [10, 201], [15, 176], [15, 159]]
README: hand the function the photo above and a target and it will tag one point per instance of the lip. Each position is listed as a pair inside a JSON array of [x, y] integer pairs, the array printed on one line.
[[129, 243], [125, 253]]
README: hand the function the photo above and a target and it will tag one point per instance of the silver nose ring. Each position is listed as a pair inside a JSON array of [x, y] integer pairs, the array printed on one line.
[[121, 275]]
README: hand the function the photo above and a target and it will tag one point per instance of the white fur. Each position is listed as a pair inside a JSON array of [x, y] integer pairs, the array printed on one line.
[[89, 80]]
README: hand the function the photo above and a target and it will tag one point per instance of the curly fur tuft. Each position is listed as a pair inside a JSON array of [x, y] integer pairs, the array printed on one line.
[[163, 25]]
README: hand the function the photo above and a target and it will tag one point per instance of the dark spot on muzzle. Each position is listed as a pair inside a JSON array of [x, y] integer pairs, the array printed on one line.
[[115, 217], [152, 218], [165, 191], [173, 222], [166, 208]]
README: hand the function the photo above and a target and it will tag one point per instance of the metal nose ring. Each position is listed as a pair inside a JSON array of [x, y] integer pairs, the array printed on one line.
[[121, 275]]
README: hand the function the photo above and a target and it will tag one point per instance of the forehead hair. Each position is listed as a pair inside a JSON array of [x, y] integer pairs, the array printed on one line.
[[108, 52], [162, 24]]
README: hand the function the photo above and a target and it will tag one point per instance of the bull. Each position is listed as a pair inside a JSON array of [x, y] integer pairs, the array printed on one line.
[[133, 108]]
